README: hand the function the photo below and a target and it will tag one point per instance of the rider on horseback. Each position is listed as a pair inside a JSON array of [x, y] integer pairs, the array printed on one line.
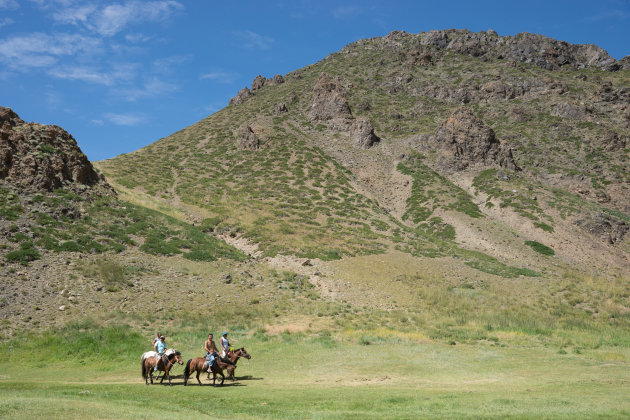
[[159, 346], [225, 345], [211, 351]]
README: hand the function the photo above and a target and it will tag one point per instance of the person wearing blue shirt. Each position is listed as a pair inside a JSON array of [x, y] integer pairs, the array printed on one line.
[[160, 346]]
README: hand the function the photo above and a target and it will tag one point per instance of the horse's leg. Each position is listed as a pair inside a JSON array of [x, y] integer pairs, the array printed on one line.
[[167, 373], [214, 378], [199, 373], [222, 377]]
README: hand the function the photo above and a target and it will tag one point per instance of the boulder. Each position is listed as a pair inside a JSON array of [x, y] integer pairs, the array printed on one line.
[[605, 226], [362, 133], [570, 111], [247, 139], [466, 141], [41, 157], [280, 108], [328, 100], [258, 82], [241, 96]]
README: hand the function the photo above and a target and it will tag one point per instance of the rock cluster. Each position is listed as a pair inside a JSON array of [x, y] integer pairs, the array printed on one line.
[[605, 226], [330, 104], [467, 141], [258, 83], [525, 47], [493, 91], [247, 139], [41, 157]]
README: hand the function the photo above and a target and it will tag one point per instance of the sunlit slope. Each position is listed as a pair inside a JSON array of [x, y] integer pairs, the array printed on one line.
[[308, 190]]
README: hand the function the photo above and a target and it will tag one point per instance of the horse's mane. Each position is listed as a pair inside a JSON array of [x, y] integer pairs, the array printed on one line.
[[170, 352]]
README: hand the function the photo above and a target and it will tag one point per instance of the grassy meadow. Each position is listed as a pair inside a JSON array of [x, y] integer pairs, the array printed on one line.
[[84, 370]]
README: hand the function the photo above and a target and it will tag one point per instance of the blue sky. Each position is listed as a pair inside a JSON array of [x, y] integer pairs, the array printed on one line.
[[120, 75]]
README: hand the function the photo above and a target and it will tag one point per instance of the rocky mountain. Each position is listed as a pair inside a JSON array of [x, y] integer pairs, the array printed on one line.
[[41, 157], [493, 157]]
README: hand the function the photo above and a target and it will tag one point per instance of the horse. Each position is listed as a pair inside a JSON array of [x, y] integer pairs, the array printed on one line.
[[197, 365], [233, 356], [148, 364]]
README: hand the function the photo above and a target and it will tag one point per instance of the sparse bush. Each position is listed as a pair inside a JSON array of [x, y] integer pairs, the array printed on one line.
[[540, 248]]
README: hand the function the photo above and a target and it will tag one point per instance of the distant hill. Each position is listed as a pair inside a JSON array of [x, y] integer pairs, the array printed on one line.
[[446, 143], [413, 177]]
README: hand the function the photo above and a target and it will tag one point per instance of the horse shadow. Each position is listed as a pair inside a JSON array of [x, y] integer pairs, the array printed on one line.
[[247, 378]]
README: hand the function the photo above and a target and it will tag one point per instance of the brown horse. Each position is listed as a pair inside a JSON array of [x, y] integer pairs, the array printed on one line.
[[197, 365], [233, 357], [172, 356]]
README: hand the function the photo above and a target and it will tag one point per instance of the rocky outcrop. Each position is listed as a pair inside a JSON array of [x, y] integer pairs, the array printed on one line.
[[362, 133], [525, 47], [41, 157], [280, 108], [329, 104], [258, 82], [605, 226], [570, 111], [247, 139], [241, 96], [467, 141], [328, 100]]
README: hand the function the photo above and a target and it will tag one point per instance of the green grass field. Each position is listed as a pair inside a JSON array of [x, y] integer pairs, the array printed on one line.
[[84, 372]]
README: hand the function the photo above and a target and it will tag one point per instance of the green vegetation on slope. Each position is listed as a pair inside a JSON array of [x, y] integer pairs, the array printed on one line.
[[62, 221]]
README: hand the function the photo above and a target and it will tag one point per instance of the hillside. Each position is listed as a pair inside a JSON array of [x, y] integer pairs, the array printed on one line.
[[418, 225], [434, 144], [445, 168]]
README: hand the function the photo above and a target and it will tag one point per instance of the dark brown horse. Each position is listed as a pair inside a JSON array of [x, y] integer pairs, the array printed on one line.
[[233, 356], [198, 365], [172, 356]]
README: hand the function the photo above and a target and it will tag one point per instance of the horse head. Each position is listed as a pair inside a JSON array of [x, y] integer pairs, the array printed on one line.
[[243, 353], [175, 355]]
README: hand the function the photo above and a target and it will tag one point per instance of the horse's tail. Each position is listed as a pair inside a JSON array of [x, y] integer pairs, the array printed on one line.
[[187, 370], [144, 370]]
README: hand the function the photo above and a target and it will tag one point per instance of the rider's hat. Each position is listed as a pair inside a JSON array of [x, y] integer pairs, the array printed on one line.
[[224, 333]]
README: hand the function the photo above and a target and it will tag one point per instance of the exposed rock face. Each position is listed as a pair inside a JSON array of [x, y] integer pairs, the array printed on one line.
[[605, 227], [468, 141], [258, 82], [41, 157], [570, 111], [328, 100], [241, 96], [362, 133], [280, 108], [522, 48], [247, 139], [329, 104]]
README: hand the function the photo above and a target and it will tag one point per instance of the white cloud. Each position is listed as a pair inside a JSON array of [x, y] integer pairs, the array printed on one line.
[[81, 73], [220, 76], [609, 15], [346, 11], [5, 22], [137, 38], [39, 50], [75, 15], [165, 65], [253, 40], [9, 4], [125, 119], [110, 19], [150, 88]]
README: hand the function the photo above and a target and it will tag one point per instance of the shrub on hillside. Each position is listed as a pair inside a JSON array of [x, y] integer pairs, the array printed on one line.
[[540, 248]]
